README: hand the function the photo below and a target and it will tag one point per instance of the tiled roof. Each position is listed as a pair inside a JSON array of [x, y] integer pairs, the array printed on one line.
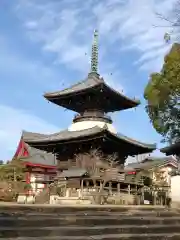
[[73, 172], [26, 134], [80, 86], [63, 135], [150, 163], [172, 149], [69, 135], [92, 82], [40, 158], [37, 156], [135, 142]]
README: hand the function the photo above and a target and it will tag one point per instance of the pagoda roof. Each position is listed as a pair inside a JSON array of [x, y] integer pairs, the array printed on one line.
[[36, 156], [152, 162], [51, 141], [93, 87], [173, 149]]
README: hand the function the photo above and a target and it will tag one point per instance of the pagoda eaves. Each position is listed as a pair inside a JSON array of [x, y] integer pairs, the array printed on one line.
[[84, 95], [92, 93], [56, 142]]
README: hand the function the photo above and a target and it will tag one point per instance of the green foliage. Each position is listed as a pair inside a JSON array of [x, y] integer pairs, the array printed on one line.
[[12, 175], [163, 97], [12, 171], [27, 186]]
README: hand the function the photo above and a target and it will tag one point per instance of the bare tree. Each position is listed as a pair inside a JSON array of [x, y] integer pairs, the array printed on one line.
[[112, 160], [160, 177], [91, 161], [172, 22], [99, 165], [95, 161]]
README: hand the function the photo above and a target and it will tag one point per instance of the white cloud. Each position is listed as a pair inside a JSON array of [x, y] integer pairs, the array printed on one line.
[[13, 64], [31, 25], [66, 29], [12, 122]]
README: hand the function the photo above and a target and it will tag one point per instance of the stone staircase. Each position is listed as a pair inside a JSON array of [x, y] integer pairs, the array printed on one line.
[[47, 222]]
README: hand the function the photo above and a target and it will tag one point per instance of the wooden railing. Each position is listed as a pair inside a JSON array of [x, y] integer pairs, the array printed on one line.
[[92, 115]]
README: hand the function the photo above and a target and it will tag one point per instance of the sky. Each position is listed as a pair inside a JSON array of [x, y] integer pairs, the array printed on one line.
[[45, 46]]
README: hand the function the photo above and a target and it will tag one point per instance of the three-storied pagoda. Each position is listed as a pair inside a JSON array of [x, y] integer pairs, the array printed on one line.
[[91, 128]]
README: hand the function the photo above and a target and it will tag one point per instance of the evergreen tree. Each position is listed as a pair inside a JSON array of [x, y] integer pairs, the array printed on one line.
[[12, 176], [163, 97], [12, 171]]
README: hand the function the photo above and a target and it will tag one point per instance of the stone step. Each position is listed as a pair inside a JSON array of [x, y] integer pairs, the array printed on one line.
[[165, 213], [79, 209], [12, 232], [45, 221], [174, 236]]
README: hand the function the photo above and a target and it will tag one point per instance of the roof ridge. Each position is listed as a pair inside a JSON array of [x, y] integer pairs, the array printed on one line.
[[97, 80], [123, 95], [34, 151], [97, 128], [67, 135], [135, 141], [24, 133]]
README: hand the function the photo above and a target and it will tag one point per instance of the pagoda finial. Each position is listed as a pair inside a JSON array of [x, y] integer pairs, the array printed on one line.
[[94, 54]]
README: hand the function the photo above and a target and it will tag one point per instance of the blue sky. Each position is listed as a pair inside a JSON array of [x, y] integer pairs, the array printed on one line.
[[42, 48]]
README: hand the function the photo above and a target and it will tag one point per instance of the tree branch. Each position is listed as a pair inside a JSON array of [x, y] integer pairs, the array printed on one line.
[[164, 18]]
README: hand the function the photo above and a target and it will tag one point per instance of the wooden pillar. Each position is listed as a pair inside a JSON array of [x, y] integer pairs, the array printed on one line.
[[129, 189], [110, 187], [82, 181], [28, 177], [136, 191], [87, 184], [101, 185], [154, 197], [65, 189], [118, 187], [142, 191], [136, 195], [95, 184]]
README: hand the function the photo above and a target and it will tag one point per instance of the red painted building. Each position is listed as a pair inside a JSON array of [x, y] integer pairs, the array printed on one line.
[[41, 166]]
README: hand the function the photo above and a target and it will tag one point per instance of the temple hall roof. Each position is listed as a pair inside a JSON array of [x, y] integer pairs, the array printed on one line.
[[173, 149], [65, 137], [40, 157], [93, 90], [73, 172], [152, 162], [36, 156]]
